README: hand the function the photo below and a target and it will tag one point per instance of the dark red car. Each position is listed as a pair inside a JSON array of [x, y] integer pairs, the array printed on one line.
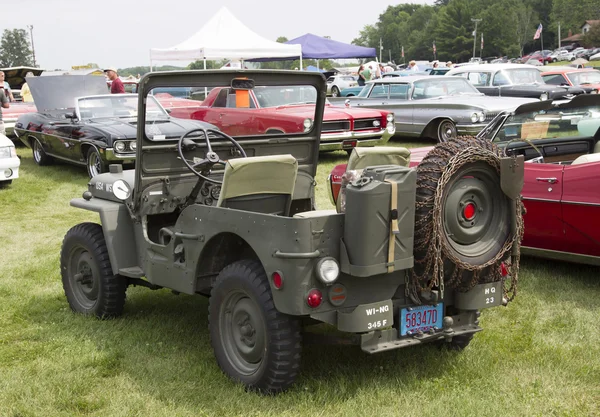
[[281, 110], [561, 145]]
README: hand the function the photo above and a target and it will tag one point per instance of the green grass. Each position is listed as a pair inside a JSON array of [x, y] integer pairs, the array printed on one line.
[[538, 357]]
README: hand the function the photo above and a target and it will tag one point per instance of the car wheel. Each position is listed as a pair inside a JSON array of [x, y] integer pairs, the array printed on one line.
[[253, 342], [446, 131], [5, 183], [553, 59], [462, 215], [335, 92], [87, 277], [39, 155], [94, 163]]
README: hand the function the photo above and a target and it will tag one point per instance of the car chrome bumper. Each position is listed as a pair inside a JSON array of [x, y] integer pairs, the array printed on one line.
[[471, 129], [111, 155], [9, 127], [336, 141]]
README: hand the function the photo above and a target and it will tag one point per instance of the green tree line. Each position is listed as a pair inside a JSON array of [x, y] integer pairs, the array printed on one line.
[[507, 26]]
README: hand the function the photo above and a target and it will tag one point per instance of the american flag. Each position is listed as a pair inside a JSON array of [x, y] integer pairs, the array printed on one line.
[[434, 50], [538, 32]]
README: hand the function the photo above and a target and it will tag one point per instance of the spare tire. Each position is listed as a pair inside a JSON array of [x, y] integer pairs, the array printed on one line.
[[463, 218]]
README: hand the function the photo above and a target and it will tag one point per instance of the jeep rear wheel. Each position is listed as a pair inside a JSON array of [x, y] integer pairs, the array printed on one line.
[[88, 280], [253, 342]]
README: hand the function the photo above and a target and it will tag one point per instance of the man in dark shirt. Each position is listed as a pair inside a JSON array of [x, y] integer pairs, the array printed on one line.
[[117, 85]]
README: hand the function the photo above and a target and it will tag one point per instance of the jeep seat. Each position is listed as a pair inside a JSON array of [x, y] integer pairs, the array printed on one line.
[[361, 158], [262, 184]]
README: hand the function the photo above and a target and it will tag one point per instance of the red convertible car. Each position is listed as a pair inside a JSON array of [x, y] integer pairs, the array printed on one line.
[[283, 110], [561, 145], [575, 77]]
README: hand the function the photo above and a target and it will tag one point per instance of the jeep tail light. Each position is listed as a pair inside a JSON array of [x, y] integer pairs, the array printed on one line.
[[277, 278], [314, 298], [503, 269]]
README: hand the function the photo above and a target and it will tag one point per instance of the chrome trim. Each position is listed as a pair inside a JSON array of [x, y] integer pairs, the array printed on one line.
[[333, 141], [111, 155], [581, 203], [561, 256]]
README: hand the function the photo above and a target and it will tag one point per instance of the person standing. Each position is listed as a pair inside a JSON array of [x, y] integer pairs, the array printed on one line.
[[361, 78], [3, 104], [6, 87], [25, 91], [367, 74], [117, 86], [412, 66]]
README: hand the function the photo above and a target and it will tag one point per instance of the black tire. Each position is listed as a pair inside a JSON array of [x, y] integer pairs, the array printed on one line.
[[5, 183], [89, 283], [446, 130], [39, 155], [94, 163], [475, 236], [335, 92], [253, 342]]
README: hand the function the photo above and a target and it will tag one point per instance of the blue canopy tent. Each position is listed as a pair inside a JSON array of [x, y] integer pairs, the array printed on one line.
[[313, 68], [317, 47]]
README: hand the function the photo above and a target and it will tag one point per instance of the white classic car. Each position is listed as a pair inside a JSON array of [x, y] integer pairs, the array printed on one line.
[[9, 161], [337, 83]]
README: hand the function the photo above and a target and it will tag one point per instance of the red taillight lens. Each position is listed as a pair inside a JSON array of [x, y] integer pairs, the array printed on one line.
[[469, 211], [503, 269], [314, 298], [277, 279]]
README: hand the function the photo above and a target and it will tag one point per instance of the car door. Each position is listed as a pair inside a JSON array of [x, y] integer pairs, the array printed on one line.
[[581, 208], [56, 136], [542, 194]]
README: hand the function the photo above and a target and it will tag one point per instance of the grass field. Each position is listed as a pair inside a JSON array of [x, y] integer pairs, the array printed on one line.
[[540, 356]]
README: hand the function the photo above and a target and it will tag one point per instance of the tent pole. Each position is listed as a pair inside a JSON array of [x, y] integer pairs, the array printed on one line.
[[205, 88], [300, 62]]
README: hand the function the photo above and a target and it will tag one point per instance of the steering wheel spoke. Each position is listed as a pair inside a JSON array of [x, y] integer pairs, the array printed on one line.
[[201, 168]]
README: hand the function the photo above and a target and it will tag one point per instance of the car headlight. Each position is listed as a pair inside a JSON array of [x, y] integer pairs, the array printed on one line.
[[120, 146], [544, 96], [307, 124], [482, 117], [474, 118], [132, 145], [390, 117], [376, 123], [328, 270]]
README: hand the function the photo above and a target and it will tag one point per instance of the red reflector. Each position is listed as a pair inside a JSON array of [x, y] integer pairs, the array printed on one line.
[[277, 280], [314, 298], [469, 211], [348, 144], [503, 269]]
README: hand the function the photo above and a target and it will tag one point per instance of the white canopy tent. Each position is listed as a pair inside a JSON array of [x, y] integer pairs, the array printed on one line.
[[224, 36]]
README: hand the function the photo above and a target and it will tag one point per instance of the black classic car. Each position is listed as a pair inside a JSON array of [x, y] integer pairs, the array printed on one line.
[[79, 123], [512, 80]]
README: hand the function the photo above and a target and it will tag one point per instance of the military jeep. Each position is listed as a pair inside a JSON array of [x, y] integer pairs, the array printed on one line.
[[409, 256]]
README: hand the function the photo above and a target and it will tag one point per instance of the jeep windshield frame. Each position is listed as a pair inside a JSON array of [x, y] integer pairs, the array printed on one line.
[[158, 161]]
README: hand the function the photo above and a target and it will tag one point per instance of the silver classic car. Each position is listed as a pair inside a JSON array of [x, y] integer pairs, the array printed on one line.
[[432, 106]]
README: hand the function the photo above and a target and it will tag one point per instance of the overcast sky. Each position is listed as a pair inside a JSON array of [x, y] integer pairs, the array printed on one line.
[[120, 33]]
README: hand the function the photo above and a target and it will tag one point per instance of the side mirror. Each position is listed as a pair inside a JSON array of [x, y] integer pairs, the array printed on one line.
[[169, 110]]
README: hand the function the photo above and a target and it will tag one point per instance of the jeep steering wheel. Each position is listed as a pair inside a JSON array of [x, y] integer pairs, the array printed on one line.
[[202, 167]]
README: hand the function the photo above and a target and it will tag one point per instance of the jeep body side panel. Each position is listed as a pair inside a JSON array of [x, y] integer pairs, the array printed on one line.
[[118, 230]]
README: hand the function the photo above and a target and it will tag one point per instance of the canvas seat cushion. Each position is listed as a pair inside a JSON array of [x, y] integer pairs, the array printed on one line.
[[361, 158]]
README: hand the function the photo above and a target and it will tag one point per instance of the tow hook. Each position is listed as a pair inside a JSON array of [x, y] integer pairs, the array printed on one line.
[[447, 324]]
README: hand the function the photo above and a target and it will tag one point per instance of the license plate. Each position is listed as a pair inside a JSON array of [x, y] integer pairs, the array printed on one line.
[[348, 144], [422, 318]]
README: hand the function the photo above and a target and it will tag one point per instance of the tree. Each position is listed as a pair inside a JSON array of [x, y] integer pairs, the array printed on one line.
[[523, 16], [454, 32], [14, 49]]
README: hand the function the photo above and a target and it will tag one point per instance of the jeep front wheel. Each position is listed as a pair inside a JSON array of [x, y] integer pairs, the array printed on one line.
[[88, 280], [253, 342]]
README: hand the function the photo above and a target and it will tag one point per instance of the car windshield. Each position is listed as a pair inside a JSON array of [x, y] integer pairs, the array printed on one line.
[[442, 87], [117, 105], [523, 76], [587, 77], [558, 122], [285, 96]]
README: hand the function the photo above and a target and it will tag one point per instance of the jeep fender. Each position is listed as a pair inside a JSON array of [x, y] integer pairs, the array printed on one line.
[[119, 240]]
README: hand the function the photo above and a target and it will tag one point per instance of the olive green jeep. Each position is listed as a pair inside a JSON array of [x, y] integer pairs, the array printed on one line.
[[409, 256]]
